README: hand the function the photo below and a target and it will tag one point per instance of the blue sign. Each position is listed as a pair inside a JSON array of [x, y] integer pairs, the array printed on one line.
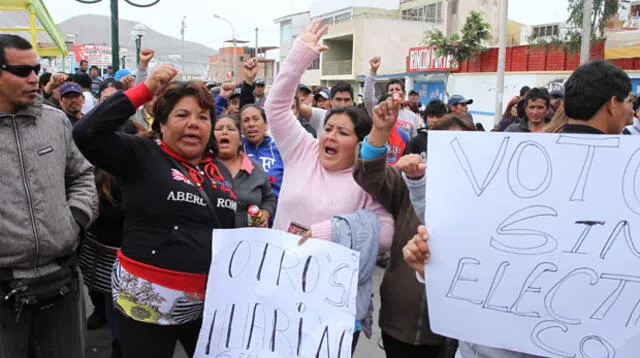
[[635, 86], [429, 90]]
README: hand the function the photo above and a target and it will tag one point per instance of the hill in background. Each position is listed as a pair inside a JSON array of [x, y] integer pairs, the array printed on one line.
[[96, 29]]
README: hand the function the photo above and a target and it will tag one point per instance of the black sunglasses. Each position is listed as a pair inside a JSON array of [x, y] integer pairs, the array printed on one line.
[[21, 70]]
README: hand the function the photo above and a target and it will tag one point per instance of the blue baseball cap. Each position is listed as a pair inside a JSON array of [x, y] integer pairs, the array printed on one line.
[[323, 93], [458, 99], [121, 73], [302, 86], [70, 87]]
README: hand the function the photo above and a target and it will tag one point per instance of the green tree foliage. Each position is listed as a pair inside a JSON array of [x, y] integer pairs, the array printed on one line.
[[464, 46]]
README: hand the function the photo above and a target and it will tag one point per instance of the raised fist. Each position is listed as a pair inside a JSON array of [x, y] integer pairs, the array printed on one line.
[[250, 70], [161, 76], [146, 55], [374, 64]]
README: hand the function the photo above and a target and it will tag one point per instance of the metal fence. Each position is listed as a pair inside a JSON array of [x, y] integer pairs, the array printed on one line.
[[337, 68]]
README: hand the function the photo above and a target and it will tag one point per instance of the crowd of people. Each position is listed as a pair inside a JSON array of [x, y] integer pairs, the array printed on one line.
[[116, 182]]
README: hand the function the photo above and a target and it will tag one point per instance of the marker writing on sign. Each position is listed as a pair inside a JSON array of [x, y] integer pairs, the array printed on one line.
[[243, 325]]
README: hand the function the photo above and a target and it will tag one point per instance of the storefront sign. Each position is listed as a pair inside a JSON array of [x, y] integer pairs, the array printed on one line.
[[424, 59]]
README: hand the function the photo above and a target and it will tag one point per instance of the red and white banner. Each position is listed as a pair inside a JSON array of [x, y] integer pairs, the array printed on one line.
[[424, 59], [99, 55]]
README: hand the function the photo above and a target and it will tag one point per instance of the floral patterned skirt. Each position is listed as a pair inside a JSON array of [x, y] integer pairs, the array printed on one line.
[[149, 302]]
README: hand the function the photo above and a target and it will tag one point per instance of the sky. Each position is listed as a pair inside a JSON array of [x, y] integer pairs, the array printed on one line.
[[246, 15]]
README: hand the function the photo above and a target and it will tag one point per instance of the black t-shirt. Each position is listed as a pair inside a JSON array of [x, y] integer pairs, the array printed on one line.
[[167, 222], [418, 144]]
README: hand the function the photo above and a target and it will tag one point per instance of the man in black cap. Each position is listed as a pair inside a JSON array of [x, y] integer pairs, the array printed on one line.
[[233, 107], [304, 94], [459, 105], [414, 99], [71, 101], [258, 93]]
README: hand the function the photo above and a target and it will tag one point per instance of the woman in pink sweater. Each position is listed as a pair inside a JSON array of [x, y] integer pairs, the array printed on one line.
[[318, 181]]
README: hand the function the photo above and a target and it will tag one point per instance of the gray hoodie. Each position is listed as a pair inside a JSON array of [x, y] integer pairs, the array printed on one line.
[[47, 191]]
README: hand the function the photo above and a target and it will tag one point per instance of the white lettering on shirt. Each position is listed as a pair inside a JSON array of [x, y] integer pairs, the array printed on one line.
[[181, 196], [267, 163], [227, 203]]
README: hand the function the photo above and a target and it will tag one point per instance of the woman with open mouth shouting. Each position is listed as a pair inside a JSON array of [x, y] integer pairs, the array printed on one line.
[[174, 194], [250, 183], [259, 146], [318, 183]]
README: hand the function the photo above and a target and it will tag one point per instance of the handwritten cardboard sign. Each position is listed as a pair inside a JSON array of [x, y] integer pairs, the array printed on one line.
[[535, 242], [267, 296]]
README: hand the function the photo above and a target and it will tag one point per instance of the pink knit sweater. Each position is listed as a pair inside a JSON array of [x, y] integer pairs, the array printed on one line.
[[311, 195]]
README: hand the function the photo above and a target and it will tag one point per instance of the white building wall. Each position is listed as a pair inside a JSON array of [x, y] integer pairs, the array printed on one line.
[[310, 77], [324, 7], [454, 19], [482, 89], [389, 39], [527, 31], [296, 21]]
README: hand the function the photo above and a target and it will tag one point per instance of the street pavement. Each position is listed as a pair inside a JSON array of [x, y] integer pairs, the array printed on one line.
[[99, 341]]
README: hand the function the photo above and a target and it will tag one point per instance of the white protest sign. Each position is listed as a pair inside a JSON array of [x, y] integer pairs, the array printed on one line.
[[535, 242], [267, 296]]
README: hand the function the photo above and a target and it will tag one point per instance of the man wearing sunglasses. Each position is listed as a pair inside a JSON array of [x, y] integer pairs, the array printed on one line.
[[48, 197]]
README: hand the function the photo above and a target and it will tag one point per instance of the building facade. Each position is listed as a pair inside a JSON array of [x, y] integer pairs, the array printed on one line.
[[289, 30], [221, 65]]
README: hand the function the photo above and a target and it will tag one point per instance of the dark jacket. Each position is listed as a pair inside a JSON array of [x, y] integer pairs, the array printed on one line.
[[107, 228], [580, 128], [251, 186], [47, 191], [504, 123], [168, 223], [403, 309], [418, 144], [521, 126]]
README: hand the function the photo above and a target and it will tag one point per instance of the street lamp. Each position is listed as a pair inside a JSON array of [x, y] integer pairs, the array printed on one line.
[[137, 34], [123, 56], [233, 33], [115, 44], [182, 28]]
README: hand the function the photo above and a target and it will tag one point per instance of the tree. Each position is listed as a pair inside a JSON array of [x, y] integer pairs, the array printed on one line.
[[474, 32], [602, 11], [572, 39]]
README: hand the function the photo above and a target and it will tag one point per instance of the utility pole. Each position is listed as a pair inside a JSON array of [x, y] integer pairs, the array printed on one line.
[[502, 56], [184, 26], [256, 54], [115, 41], [587, 12], [235, 43], [115, 38]]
